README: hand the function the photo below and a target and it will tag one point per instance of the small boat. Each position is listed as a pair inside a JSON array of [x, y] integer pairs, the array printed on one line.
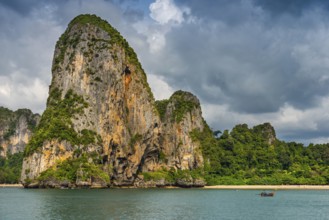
[[267, 194]]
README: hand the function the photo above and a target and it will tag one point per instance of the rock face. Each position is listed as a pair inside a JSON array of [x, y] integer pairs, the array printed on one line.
[[16, 129], [180, 115], [101, 119]]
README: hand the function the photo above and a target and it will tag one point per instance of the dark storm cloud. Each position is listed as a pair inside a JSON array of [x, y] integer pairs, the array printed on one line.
[[133, 15], [303, 135], [250, 66], [232, 12], [249, 61], [20, 6], [24, 7]]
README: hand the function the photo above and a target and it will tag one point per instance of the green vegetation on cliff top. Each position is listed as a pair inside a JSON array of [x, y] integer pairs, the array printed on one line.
[[5, 114], [183, 102]]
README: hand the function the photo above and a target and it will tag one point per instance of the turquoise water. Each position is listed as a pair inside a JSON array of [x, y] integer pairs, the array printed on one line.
[[161, 204]]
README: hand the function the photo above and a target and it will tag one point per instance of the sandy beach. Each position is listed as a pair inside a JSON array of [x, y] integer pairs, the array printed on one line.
[[11, 186], [271, 187]]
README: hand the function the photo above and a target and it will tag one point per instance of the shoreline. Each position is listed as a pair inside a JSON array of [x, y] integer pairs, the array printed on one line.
[[270, 187], [224, 187], [11, 185]]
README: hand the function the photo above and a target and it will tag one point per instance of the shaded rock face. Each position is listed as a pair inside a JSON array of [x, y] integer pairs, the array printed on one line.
[[16, 129], [95, 63]]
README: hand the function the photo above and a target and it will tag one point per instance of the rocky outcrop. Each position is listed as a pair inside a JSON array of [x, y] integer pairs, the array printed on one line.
[[180, 115], [267, 132], [101, 121], [16, 129]]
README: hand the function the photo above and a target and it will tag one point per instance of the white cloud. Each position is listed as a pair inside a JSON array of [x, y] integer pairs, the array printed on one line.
[[160, 88], [28, 47], [165, 15], [156, 41], [23, 95], [165, 11]]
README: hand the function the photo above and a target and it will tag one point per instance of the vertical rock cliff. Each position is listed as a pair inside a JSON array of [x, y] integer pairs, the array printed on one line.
[[102, 126], [16, 129], [180, 115]]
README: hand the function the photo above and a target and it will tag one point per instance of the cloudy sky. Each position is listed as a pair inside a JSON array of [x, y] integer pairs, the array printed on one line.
[[249, 61]]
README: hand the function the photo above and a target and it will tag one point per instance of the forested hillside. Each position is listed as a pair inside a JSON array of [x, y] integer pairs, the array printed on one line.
[[255, 156], [10, 168]]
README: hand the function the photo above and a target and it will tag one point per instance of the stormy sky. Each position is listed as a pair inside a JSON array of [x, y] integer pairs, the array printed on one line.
[[248, 61]]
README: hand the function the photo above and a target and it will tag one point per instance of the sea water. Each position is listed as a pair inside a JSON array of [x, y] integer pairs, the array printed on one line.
[[18, 203]]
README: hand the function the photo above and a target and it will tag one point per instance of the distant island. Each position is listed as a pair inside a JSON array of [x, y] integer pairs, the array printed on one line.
[[103, 128]]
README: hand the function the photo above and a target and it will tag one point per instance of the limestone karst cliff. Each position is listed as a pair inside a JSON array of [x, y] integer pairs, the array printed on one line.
[[102, 126], [16, 129]]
